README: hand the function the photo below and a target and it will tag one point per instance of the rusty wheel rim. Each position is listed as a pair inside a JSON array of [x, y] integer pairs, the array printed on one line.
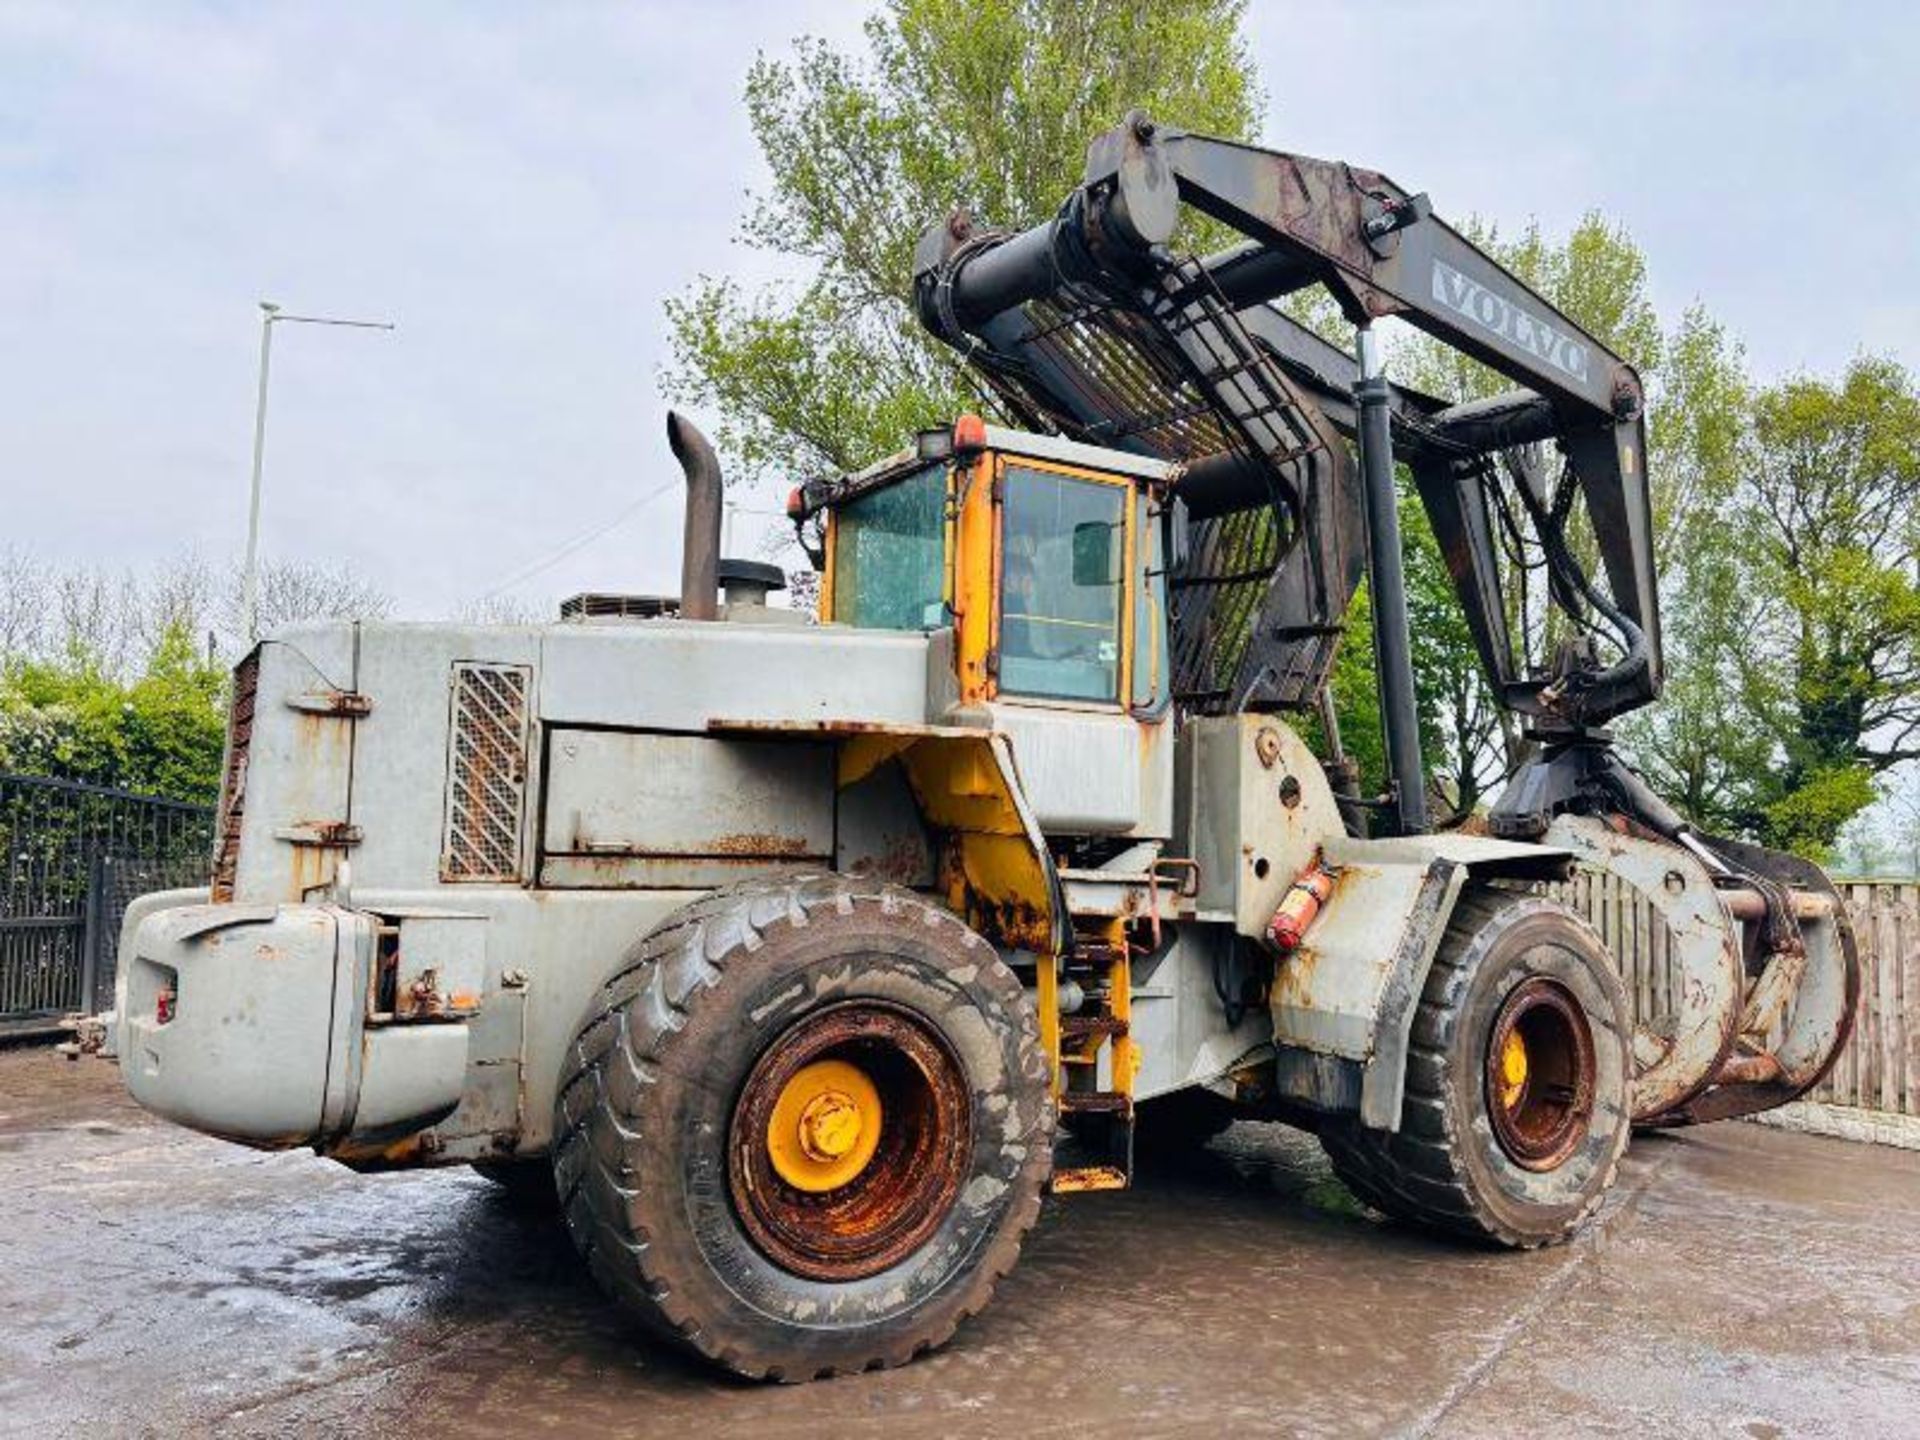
[[1540, 1074], [836, 1220]]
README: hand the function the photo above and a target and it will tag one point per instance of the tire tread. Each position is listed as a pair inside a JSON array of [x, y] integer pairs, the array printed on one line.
[[1415, 1175], [628, 1040]]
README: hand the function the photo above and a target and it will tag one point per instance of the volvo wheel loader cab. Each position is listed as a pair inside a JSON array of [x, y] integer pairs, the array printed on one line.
[[803, 959]]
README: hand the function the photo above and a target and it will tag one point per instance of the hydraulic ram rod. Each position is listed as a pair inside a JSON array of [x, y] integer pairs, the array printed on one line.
[[1387, 579]]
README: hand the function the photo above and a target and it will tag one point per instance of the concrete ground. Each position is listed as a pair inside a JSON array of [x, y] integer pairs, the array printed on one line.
[[1742, 1282]]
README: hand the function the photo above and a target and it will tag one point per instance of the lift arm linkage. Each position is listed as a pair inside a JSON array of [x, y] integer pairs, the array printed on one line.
[[1205, 330]]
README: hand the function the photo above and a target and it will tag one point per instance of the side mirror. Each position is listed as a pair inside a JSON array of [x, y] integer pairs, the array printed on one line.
[[1094, 558]]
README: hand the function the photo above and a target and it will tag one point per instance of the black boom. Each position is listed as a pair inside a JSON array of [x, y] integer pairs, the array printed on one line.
[[1091, 326]]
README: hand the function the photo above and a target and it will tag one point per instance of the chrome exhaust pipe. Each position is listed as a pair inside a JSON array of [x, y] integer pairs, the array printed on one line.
[[700, 548]]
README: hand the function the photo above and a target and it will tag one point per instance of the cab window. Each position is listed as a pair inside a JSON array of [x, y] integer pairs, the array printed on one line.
[[889, 555], [1063, 545]]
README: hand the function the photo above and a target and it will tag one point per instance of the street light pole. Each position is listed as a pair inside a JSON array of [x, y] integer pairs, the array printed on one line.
[[269, 313], [250, 601]]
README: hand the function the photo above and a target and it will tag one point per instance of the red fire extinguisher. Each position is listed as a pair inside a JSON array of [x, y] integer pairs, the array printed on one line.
[[1300, 905]]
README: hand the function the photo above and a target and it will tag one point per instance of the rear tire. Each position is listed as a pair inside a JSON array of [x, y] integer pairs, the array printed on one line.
[[699, 1213], [1516, 1157]]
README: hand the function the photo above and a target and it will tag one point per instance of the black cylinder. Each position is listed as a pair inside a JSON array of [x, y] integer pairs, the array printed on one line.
[[1018, 269], [700, 548], [1387, 580]]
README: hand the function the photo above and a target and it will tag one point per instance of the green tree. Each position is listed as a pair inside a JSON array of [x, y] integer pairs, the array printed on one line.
[[988, 104], [175, 722], [160, 734], [1701, 742], [1793, 614], [1825, 523], [61, 718]]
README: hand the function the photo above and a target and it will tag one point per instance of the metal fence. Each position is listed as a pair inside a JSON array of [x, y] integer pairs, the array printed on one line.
[[74, 855], [1880, 1068]]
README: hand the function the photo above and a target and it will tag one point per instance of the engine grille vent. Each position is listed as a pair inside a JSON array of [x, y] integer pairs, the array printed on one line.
[[486, 773], [596, 606], [233, 781]]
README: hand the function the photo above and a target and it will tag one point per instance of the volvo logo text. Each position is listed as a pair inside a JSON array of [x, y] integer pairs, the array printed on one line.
[[1494, 313]]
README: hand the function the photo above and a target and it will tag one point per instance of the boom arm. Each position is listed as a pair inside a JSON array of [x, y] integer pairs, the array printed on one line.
[[1088, 324]]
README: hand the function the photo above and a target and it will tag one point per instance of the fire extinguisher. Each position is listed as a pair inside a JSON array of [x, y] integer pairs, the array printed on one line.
[[1300, 905]]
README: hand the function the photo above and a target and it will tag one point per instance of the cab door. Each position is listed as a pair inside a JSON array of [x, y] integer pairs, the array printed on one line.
[[1075, 615]]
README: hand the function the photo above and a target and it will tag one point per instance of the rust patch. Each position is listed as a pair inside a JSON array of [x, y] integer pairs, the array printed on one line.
[[322, 834], [897, 1202], [1541, 1114], [761, 843], [1266, 746], [1760, 1069], [422, 1147], [821, 727], [1293, 977], [1013, 923], [424, 1000], [902, 859], [233, 784], [1088, 1177], [305, 870], [344, 704]]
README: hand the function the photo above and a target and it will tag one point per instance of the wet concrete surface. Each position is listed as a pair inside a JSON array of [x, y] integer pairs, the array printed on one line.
[[1741, 1282]]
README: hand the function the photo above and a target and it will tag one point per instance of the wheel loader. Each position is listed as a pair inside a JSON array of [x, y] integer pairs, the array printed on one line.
[[798, 962]]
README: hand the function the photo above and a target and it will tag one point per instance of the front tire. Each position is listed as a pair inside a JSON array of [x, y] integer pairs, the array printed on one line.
[[1517, 1097], [806, 1127]]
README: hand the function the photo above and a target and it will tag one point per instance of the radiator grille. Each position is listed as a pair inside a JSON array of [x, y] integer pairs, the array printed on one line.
[[486, 773], [233, 780]]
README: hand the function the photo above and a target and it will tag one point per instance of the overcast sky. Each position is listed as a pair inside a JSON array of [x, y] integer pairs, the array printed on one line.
[[519, 188]]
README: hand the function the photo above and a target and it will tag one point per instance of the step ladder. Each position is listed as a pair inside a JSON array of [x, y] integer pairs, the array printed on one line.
[[1234, 564], [1093, 1058]]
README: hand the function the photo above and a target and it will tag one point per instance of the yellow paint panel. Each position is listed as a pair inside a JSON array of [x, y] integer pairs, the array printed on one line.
[[830, 540], [862, 754], [996, 876], [976, 572]]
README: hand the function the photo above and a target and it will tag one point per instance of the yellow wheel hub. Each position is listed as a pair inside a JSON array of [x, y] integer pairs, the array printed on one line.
[[1513, 1069], [825, 1126]]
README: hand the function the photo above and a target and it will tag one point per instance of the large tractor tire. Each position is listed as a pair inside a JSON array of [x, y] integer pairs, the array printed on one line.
[[805, 1128], [1517, 1098]]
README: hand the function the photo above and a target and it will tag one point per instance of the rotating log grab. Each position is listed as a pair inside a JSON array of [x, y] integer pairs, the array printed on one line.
[[1091, 326]]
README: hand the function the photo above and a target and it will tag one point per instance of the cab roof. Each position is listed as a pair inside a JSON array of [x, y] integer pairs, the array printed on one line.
[[932, 446]]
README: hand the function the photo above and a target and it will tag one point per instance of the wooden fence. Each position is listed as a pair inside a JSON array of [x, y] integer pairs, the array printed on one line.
[[1880, 1068]]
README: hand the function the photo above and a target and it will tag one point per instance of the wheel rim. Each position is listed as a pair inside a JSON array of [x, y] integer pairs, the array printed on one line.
[[1541, 1074], [825, 1126], [849, 1141]]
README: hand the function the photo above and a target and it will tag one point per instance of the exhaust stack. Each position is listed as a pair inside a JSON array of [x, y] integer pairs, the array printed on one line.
[[700, 549]]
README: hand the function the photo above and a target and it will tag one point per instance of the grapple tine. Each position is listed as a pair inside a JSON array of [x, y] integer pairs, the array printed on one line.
[[1799, 1009], [1767, 972]]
